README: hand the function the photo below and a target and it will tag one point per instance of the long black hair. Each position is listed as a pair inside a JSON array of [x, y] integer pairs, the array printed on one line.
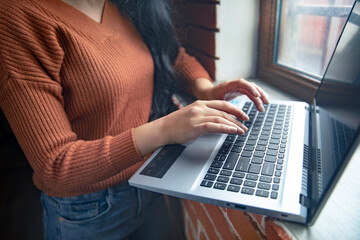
[[153, 20]]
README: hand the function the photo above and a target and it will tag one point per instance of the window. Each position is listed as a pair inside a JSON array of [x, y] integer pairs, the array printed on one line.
[[297, 38]]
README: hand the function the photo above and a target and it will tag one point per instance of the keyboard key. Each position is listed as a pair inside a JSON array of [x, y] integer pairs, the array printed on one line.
[[210, 177], [262, 142], [274, 141], [243, 164], [239, 174], [275, 187], [271, 152], [239, 144], [260, 148], [249, 183], [256, 160], [231, 161], [236, 181], [273, 146], [249, 148], [268, 169], [226, 173], [270, 159], [262, 193], [252, 177], [254, 168], [249, 191], [233, 188], [236, 149], [259, 154], [213, 170], [230, 138], [253, 143], [223, 179], [206, 183], [224, 150], [264, 186], [216, 164], [226, 145], [220, 186], [265, 179], [246, 154], [276, 180], [274, 195]]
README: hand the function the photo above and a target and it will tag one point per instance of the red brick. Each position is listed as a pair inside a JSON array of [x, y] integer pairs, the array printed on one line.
[[274, 231], [243, 226], [219, 221], [203, 15]]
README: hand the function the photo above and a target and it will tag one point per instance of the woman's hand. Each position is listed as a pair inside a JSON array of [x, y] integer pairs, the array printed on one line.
[[188, 123], [206, 90]]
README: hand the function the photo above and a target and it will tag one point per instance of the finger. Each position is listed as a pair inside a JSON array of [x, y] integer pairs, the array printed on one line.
[[264, 96], [231, 121], [211, 127], [242, 84], [228, 108], [222, 117], [258, 103]]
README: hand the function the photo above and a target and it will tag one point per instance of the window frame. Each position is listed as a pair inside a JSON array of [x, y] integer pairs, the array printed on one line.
[[291, 81]]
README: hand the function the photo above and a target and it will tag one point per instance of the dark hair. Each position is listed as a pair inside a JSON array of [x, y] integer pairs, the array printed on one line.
[[153, 19]]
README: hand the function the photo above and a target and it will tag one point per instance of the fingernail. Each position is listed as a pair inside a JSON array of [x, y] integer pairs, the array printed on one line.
[[262, 109], [245, 128]]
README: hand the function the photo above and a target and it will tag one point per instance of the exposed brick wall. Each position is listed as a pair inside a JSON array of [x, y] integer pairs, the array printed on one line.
[[204, 221], [196, 25]]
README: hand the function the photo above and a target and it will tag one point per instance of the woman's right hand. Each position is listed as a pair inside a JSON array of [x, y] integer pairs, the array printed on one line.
[[188, 123]]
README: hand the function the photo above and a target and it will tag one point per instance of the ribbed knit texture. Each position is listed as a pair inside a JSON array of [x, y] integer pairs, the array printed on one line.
[[73, 90]]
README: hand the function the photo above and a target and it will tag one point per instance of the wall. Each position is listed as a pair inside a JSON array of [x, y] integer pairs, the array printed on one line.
[[222, 35]]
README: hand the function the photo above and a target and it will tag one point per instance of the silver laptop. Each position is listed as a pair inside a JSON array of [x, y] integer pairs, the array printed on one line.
[[288, 162]]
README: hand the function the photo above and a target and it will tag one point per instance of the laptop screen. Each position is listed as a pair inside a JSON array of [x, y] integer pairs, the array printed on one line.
[[337, 109]]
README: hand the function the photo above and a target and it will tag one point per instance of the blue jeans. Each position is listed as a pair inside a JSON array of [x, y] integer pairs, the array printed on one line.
[[118, 212]]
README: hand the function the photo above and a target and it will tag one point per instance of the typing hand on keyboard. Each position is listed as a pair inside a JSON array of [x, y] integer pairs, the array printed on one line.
[[253, 162]]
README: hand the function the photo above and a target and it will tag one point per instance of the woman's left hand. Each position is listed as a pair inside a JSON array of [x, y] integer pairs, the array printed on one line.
[[204, 89]]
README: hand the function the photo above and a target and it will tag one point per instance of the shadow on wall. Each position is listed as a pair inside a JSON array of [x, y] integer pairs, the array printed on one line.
[[20, 208]]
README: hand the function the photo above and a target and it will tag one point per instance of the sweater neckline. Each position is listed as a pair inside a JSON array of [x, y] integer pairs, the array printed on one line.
[[107, 27], [87, 16]]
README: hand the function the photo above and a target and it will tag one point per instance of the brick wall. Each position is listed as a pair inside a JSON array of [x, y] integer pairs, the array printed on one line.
[[204, 221], [196, 24]]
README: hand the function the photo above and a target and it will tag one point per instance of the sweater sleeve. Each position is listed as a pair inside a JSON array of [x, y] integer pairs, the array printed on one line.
[[31, 98], [189, 67]]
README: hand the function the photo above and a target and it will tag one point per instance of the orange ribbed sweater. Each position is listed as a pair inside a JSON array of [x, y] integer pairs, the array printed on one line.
[[73, 90]]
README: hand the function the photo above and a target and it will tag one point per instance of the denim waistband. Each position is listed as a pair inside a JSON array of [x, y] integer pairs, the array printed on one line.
[[94, 195]]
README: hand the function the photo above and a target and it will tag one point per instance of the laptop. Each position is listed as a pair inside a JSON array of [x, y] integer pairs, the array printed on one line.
[[288, 162]]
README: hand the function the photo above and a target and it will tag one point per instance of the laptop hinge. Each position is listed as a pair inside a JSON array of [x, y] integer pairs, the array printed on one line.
[[305, 201]]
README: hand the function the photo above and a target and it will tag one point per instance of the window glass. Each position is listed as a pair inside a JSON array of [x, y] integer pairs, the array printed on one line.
[[307, 32]]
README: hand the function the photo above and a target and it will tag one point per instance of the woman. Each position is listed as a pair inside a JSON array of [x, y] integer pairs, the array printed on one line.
[[79, 81]]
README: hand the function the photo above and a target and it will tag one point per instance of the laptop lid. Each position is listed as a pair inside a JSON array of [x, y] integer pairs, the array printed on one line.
[[335, 116]]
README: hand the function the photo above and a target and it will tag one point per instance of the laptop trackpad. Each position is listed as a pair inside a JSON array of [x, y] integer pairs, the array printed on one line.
[[163, 161], [186, 158]]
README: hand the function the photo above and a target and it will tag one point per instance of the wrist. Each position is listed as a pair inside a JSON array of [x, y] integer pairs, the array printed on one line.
[[150, 136], [202, 88]]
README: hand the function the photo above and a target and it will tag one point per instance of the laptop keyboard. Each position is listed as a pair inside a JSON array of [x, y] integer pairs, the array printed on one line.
[[252, 163]]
